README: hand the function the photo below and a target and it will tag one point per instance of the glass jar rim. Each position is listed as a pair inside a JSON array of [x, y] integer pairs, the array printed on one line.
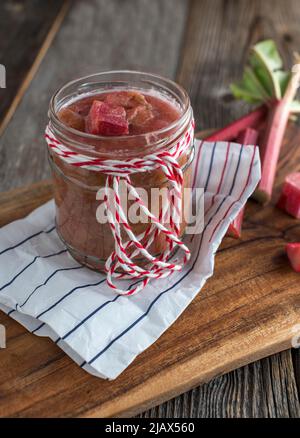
[[159, 132]]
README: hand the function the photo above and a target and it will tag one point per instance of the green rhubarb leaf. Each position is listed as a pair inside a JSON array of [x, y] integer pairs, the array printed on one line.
[[242, 93], [253, 84], [267, 51], [264, 78], [249, 88], [266, 62], [295, 106], [283, 78]]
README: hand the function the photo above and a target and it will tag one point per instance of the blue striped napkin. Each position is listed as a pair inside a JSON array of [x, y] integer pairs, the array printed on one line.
[[46, 290]]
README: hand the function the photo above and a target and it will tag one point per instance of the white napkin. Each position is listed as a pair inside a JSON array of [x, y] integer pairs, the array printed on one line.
[[101, 331]]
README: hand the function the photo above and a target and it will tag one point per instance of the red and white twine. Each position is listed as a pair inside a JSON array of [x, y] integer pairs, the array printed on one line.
[[125, 253]]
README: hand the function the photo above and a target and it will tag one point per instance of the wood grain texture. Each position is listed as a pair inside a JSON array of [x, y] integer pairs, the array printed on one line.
[[27, 29], [217, 40], [296, 365], [96, 35], [18, 203], [246, 311], [260, 390]]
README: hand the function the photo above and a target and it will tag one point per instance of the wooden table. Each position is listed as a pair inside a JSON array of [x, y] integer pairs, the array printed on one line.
[[201, 44]]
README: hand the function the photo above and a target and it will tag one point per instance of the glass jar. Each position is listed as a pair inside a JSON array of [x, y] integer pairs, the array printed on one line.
[[75, 188]]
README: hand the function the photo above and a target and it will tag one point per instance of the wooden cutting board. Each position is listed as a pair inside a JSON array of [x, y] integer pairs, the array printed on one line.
[[245, 312]]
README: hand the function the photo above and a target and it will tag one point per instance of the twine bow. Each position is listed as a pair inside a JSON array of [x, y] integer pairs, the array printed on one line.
[[125, 252]]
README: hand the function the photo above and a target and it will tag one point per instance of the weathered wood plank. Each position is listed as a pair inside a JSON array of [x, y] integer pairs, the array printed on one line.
[[262, 389], [18, 203], [296, 364], [27, 29], [96, 35]]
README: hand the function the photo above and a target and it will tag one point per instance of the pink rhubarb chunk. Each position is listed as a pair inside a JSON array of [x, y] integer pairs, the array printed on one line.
[[127, 99], [293, 252], [235, 228], [289, 200], [71, 119], [139, 115], [247, 137], [105, 119]]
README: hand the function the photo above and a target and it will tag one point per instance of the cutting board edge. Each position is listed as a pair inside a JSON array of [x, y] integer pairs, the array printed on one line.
[[121, 409]]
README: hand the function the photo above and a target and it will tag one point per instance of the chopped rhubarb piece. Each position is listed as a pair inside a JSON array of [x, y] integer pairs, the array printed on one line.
[[293, 252], [82, 106], [247, 137], [104, 119], [127, 99], [235, 228], [139, 115], [71, 119], [289, 200]]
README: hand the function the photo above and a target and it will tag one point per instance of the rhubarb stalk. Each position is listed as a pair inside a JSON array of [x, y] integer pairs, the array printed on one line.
[[289, 200], [265, 81], [273, 137], [247, 137], [231, 131]]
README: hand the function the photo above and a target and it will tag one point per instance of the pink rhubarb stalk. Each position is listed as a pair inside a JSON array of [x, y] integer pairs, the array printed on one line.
[[231, 131], [293, 252], [289, 200], [270, 147], [247, 137]]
